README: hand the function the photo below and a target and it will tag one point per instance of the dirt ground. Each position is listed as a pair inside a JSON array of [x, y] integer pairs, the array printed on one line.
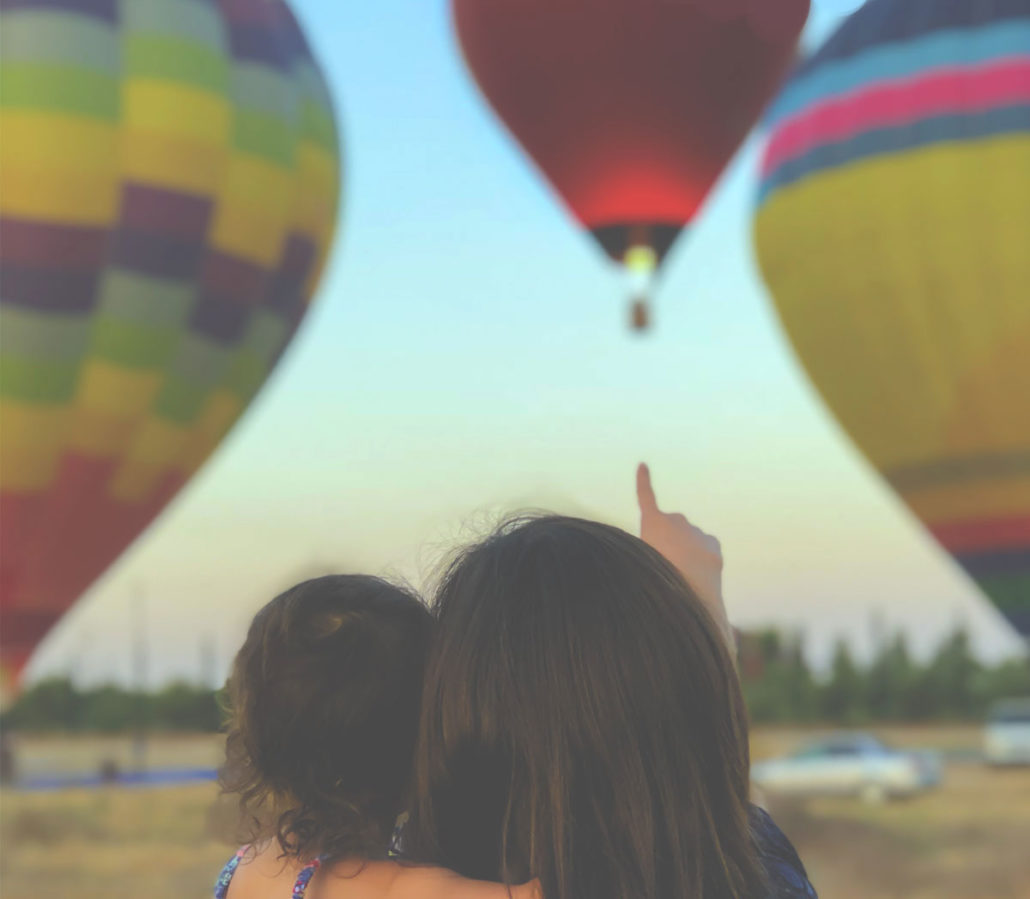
[[967, 840]]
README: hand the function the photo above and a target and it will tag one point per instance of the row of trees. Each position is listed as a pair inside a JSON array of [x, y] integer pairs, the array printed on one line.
[[780, 687], [57, 704]]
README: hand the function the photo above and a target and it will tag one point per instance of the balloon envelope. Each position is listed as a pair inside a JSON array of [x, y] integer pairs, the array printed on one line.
[[167, 199], [631, 108], [893, 229]]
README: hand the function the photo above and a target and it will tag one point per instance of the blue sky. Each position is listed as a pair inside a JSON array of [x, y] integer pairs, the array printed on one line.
[[468, 356]]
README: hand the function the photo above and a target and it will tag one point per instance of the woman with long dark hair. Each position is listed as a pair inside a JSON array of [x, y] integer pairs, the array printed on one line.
[[582, 720]]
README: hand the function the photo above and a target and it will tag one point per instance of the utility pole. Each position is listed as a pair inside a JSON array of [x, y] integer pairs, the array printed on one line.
[[877, 632], [140, 676], [208, 662]]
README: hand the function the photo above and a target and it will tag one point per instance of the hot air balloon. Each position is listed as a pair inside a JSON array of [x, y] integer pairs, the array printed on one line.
[[893, 229], [631, 108], [167, 200]]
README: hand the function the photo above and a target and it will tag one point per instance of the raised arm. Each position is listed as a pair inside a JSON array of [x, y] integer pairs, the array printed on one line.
[[696, 554]]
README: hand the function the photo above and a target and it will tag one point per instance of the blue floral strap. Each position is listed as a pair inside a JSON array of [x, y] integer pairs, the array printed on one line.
[[304, 878], [222, 884], [299, 888]]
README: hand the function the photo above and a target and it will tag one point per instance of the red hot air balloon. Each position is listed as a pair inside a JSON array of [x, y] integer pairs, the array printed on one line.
[[631, 108]]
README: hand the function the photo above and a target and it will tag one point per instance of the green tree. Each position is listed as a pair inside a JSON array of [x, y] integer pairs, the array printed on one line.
[[798, 682], [842, 698], [889, 680], [770, 645], [185, 707], [922, 701], [784, 691], [51, 704], [767, 699], [109, 709], [952, 673], [1008, 680]]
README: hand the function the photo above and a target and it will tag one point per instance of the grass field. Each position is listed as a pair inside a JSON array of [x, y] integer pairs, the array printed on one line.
[[967, 840]]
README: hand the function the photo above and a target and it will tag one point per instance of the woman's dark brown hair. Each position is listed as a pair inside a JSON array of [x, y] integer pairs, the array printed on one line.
[[583, 723], [324, 698]]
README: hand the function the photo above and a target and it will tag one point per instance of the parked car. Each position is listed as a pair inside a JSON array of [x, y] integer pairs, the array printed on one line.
[[852, 764], [1007, 733]]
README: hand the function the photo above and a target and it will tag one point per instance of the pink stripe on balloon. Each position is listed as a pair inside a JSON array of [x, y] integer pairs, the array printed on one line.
[[894, 103], [984, 534]]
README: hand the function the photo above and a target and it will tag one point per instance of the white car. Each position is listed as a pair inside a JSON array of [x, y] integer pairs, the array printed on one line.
[[1007, 733], [849, 764]]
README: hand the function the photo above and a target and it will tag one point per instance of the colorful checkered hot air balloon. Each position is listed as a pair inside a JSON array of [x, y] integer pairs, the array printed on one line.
[[893, 229], [169, 176]]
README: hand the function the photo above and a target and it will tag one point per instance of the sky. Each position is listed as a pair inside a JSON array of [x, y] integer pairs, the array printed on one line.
[[468, 356]]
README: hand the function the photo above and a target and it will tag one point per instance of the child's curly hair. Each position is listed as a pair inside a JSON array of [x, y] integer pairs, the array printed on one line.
[[323, 712]]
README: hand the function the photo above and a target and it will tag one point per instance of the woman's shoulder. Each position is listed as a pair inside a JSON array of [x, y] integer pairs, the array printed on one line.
[[786, 873]]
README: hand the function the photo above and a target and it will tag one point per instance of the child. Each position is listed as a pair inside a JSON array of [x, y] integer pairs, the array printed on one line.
[[324, 710]]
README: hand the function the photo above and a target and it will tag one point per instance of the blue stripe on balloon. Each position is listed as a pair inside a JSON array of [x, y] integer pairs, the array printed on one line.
[[910, 136], [257, 43], [881, 21], [996, 562], [957, 48], [106, 10], [1019, 619]]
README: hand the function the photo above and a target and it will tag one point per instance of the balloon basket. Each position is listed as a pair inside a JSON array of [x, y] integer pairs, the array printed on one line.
[[640, 316]]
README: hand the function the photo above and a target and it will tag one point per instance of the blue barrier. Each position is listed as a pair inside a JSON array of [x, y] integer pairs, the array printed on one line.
[[154, 778]]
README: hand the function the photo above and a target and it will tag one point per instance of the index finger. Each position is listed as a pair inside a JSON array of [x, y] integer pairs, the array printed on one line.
[[645, 492]]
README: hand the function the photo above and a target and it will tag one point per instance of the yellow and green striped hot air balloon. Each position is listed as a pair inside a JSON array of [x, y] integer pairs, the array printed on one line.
[[893, 229], [169, 176]]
